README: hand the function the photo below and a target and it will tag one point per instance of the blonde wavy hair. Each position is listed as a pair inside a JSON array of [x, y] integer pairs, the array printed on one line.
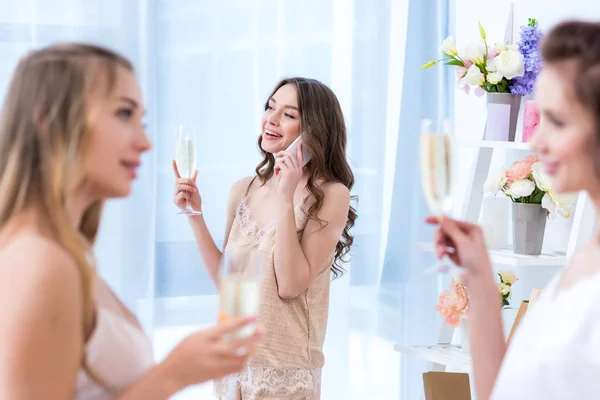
[[44, 137]]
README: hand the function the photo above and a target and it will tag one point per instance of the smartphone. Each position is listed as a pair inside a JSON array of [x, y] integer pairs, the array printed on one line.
[[305, 153]]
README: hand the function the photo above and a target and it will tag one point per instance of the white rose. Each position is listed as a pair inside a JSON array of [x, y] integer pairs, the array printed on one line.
[[474, 76], [500, 47], [561, 205], [504, 289], [522, 188], [448, 47], [508, 277], [457, 279], [476, 52], [509, 63], [495, 181], [494, 78], [542, 180]]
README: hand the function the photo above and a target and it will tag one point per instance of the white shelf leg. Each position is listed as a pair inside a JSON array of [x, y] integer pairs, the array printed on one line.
[[472, 205]]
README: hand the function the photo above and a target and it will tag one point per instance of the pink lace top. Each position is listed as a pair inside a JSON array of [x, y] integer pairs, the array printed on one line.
[[290, 358], [118, 352]]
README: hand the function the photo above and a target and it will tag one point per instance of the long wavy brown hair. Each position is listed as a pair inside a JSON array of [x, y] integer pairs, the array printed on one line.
[[324, 136], [44, 143]]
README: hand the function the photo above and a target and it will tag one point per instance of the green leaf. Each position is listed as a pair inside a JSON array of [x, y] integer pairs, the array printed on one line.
[[537, 197], [482, 31], [532, 22], [428, 65], [457, 63]]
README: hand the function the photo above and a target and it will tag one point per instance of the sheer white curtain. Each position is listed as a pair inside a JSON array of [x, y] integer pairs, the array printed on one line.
[[211, 64]]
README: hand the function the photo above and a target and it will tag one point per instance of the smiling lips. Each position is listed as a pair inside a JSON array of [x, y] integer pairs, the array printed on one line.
[[131, 167], [270, 135]]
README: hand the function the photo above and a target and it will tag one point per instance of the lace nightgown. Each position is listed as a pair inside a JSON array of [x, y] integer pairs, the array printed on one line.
[[288, 361]]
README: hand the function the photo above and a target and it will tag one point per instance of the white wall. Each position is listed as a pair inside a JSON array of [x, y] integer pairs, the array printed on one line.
[[470, 110]]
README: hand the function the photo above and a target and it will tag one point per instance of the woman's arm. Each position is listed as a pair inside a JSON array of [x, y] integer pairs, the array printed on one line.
[[41, 320], [209, 252], [200, 357], [156, 384], [41, 335], [298, 263], [488, 345]]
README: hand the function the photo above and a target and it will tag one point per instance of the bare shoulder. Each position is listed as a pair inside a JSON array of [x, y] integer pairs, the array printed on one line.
[[240, 186], [336, 192], [40, 320], [34, 267]]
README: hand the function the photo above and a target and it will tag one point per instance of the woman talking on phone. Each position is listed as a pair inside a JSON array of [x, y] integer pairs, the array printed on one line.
[[71, 136], [294, 214], [555, 353]]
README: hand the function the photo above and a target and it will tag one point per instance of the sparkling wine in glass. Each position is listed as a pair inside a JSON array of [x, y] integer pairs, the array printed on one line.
[[185, 157], [239, 295], [239, 291], [437, 158]]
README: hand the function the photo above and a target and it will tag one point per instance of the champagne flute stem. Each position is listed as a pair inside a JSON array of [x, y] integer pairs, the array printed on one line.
[[231, 387], [445, 265]]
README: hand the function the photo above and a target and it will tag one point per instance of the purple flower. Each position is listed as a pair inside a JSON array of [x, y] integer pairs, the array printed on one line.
[[529, 47]]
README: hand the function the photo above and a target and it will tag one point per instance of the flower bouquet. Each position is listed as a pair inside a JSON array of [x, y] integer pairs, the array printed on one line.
[[507, 279], [503, 70], [533, 200], [453, 303]]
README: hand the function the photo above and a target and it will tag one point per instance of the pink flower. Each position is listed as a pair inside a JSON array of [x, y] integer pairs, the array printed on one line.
[[460, 74], [520, 169], [531, 119], [479, 91], [453, 304]]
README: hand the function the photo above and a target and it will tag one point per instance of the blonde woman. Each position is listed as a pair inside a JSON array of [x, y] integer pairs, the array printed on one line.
[[71, 136]]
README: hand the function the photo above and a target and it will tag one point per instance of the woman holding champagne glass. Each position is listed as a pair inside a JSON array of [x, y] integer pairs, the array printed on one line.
[[71, 136], [555, 353], [294, 218]]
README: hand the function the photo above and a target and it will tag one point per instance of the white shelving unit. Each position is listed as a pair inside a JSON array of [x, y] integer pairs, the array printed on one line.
[[443, 354], [508, 257], [491, 144], [449, 355]]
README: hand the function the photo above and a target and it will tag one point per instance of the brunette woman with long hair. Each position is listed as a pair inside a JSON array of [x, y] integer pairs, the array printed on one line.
[[296, 218]]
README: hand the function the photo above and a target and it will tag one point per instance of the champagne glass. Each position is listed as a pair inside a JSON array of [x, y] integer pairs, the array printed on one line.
[[185, 158], [239, 295], [436, 174]]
